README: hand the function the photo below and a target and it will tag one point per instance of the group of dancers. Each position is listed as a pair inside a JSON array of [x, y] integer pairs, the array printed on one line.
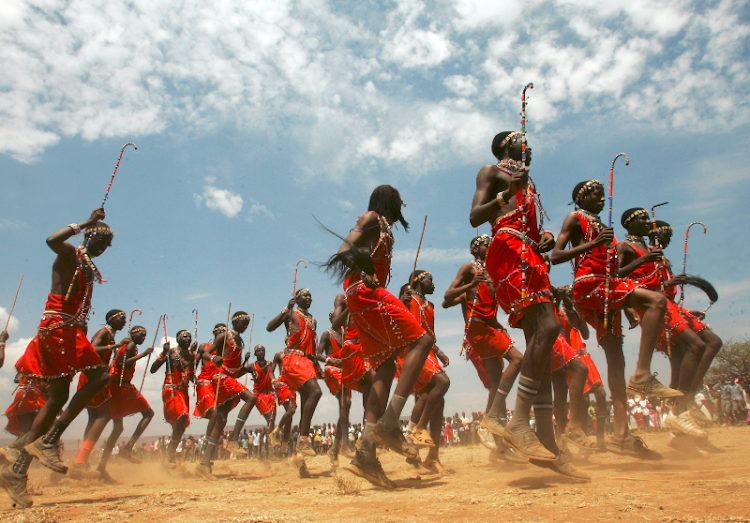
[[376, 336]]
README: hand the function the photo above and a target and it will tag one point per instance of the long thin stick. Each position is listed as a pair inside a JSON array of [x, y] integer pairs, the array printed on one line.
[[419, 247], [610, 251], [223, 352], [684, 258], [14, 303], [250, 342], [526, 199], [195, 386], [296, 266], [661, 273], [112, 179], [158, 325]]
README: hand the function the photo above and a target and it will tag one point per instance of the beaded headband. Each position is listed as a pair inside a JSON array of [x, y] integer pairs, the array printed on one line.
[[183, 331], [508, 138], [664, 228], [635, 214], [299, 292], [117, 315], [421, 276], [137, 329], [98, 230], [223, 328], [479, 239], [241, 317], [585, 189]]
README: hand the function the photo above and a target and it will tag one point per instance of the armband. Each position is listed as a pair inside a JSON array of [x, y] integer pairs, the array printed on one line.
[[76, 229], [501, 197]]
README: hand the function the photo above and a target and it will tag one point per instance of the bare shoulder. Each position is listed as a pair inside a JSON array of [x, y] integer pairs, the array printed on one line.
[[368, 220]]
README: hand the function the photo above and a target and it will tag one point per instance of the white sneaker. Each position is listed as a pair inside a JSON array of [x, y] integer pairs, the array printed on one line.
[[485, 437], [686, 424]]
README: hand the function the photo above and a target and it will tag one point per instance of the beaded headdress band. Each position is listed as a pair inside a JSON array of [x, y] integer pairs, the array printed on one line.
[[421, 276], [117, 315], [635, 214], [183, 331], [479, 240], [99, 229], [240, 317], [299, 292], [508, 139], [223, 328], [583, 191], [664, 228], [137, 329]]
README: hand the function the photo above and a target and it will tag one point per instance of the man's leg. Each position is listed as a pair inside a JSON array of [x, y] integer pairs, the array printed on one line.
[[233, 445], [713, 346], [560, 405], [178, 429], [220, 420], [541, 328], [146, 417], [601, 415], [117, 428], [440, 383], [612, 346], [496, 418]]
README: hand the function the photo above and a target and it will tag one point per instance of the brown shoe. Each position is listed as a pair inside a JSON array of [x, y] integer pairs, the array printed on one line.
[[274, 438], [650, 386], [15, 485], [394, 439], [205, 472], [371, 470], [562, 466], [528, 444], [631, 446], [48, 455], [486, 439], [493, 425], [305, 447], [422, 438], [686, 424], [234, 448], [8, 455]]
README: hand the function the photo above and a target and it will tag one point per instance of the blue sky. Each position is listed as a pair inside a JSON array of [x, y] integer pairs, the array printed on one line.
[[251, 117]]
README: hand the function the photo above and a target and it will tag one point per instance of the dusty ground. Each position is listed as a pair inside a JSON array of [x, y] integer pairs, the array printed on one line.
[[680, 488]]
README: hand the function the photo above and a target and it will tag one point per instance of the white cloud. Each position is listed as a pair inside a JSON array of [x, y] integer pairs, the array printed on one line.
[[226, 202], [355, 92], [256, 209], [12, 326]]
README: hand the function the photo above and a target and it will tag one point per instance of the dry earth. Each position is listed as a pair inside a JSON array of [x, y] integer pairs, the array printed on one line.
[[680, 488]]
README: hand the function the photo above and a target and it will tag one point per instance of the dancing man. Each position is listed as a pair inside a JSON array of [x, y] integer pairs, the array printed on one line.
[[593, 293], [263, 387], [505, 197], [279, 437], [125, 399], [174, 392], [229, 345], [300, 372], [60, 350], [204, 387], [488, 340], [385, 328]]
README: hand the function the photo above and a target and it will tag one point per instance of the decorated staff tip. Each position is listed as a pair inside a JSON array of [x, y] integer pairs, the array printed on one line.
[[627, 160]]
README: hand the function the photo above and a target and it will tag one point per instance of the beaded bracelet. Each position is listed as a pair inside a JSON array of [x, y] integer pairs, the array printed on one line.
[[76, 229], [502, 198]]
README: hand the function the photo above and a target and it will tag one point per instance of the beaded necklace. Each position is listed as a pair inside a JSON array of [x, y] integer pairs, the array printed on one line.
[[632, 238]]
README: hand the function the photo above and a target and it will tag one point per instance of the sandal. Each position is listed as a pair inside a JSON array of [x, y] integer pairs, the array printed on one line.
[[579, 439], [422, 438], [631, 446]]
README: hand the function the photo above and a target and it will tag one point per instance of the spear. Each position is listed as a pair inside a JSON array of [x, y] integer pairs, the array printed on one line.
[[158, 324], [296, 266], [684, 257], [130, 321], [14, 304], [609, 250]]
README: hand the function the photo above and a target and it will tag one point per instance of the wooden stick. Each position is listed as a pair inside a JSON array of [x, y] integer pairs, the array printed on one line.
[[419, 247], [158, 325], [250, 342], [14, 304], [223, 352]]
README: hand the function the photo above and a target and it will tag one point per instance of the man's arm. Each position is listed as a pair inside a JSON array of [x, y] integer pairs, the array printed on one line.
[[629, 260], [282, 317], [57, 240], [340, 312], [570, 229], [3, 338], [159, 361], [460, 286]]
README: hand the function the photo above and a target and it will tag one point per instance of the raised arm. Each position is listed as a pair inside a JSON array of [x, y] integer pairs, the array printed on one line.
[[571, 233], [464, 281], [282, 318]]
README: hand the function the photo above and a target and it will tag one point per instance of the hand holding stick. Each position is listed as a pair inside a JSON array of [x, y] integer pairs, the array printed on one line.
[[158, 324], [610, 251]]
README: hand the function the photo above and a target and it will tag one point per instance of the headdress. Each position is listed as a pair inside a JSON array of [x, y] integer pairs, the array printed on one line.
[[478, 240], [301, 291], [631, 214], [584, 189]]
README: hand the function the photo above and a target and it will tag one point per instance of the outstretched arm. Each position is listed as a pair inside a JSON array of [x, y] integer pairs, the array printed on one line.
[[282, 317], [460, 286]]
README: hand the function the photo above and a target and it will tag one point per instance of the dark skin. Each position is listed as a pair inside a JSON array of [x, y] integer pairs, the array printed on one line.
[[103, 343], [309, 391], [324, 354], [681, 375], [219, 419], [366, 233], [131, 356], [63, 269], [260, 359], [3, 338], [465, 283], [652, 302], [290, 407], [539, 322], [208, 355]]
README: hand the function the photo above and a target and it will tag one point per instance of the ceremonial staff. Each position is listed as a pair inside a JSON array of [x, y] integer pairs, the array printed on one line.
[[419, 247], [296, 266], [14, 304], [526, 193], [158, 324], [130, 321], [106, 195], [250, 342], [195, 356], [684, 258], [661, 272], [610, 250], [224, 351]]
